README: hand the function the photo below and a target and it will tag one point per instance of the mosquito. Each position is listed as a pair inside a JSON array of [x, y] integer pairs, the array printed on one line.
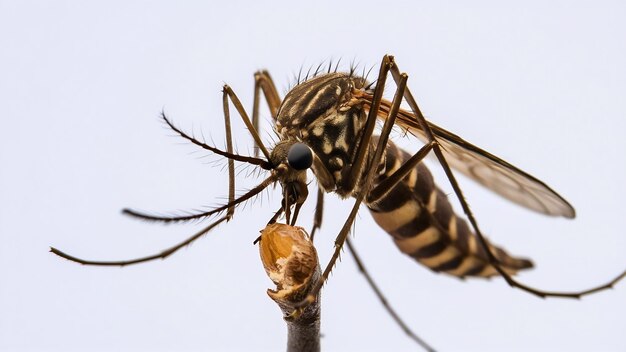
[[326, 124]]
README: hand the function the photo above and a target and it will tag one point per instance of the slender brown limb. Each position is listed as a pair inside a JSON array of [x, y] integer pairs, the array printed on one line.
[[286, 202], [246, 120], [368, 129], [397, 76], [383, 300], [246, 159], [303, 193], [251, 193], [385, 186], [296, 212], [231, 163], [277, 214], [162, 255], [319, 212], [263, 82]]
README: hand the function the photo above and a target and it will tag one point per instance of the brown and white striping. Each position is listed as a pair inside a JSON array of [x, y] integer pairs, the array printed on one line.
[[420, 218], [325, 113]]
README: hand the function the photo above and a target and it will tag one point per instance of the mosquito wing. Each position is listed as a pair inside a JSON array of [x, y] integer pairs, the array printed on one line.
[[491, 171]]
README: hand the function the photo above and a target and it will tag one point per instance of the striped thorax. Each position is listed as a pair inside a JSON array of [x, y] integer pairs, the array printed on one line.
[[324, 113]]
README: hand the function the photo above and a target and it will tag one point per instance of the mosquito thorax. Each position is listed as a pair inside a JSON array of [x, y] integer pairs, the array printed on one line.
[[327, 114], [315, 98]]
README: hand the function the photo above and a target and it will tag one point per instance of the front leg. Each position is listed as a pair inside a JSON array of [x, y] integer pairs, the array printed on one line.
[[263, 83]]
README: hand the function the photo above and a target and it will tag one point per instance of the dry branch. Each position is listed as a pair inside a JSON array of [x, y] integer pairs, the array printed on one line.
[[291, 262]]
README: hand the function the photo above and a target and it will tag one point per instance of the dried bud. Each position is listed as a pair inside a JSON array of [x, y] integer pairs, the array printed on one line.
[[290, 260]]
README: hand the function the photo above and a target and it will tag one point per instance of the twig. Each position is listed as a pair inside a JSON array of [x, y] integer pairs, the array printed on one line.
[[291, 262]]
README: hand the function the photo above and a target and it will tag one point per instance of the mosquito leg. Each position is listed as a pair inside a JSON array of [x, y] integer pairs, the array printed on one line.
[[269, 89], [263, 82], [303, 193], [202, 215], [296, 211], [397, 76], [286, 206], [264, 164], [385, 186], [319, 212], [166, 253], [369, 177], [162, 255], [278, 213], [383, 299], [231, 163], [368, 129], [246, 120]]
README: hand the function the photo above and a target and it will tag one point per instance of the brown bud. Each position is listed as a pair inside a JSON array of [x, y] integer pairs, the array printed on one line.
[[289, 258]]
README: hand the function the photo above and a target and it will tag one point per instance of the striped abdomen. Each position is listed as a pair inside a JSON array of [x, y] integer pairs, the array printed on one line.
[[420, 218]]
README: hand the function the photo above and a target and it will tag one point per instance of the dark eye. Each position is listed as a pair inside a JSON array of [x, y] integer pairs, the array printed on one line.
[[300, 156]]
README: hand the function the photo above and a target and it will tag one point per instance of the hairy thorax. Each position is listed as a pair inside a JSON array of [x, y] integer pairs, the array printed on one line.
[[326, 114]]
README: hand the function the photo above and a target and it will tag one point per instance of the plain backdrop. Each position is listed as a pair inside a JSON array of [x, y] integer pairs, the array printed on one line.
[[81, 86]]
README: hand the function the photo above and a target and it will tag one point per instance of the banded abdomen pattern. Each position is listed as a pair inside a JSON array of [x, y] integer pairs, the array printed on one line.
[[419, 217]]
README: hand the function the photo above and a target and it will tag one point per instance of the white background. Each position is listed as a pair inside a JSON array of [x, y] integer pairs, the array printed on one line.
[[81, 86]]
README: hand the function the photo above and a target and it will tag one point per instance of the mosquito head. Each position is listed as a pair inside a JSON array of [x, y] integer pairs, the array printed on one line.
[[292, 159]]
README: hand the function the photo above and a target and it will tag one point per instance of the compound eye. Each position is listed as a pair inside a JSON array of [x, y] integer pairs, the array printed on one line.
[[300, 156]]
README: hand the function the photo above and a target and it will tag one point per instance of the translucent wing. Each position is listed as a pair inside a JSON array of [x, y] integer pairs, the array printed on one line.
[[489, 170]]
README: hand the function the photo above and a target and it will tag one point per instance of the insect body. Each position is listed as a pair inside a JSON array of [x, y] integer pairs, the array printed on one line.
[[328, 113]]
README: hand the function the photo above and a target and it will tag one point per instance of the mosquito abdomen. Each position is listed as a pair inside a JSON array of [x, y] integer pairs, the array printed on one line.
[[419, 217]]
